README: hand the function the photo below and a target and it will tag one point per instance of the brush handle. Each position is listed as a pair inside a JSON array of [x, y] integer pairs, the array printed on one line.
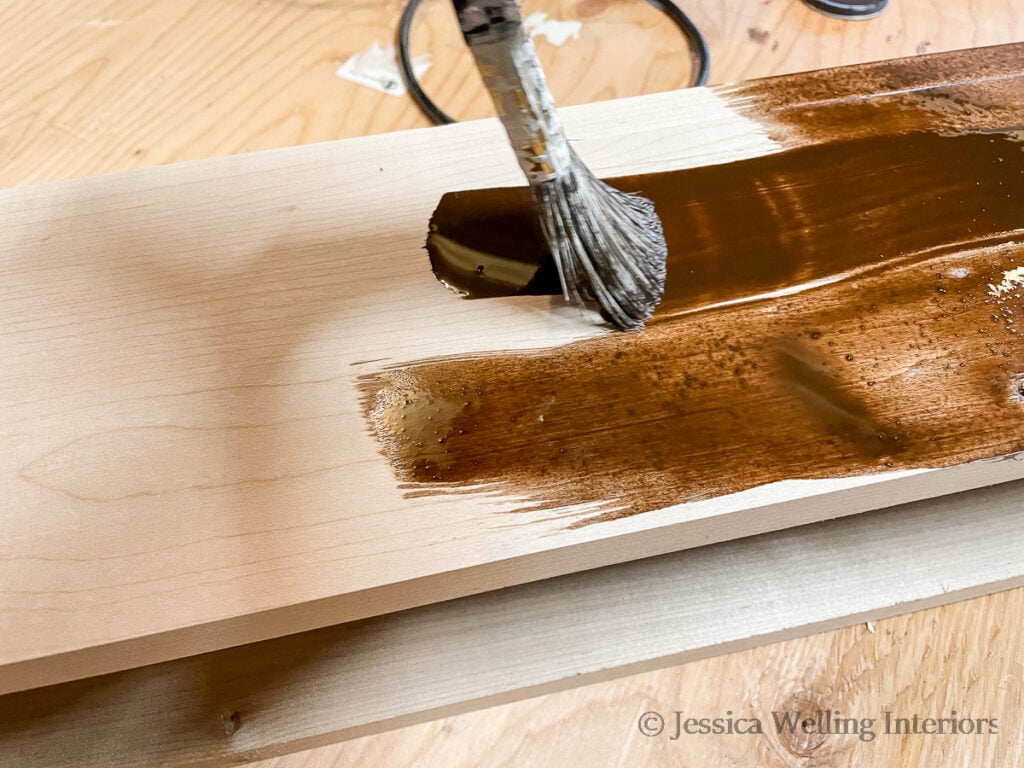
[[508, 63]]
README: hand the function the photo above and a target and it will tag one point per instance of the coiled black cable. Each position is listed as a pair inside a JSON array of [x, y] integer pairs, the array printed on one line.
[[698, 46]]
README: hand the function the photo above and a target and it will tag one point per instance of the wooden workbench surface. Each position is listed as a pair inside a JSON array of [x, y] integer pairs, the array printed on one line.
[[99, 86]]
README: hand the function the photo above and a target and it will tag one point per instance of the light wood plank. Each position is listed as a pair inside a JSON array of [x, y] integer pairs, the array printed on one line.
[[962, 657], [190, 467], [48, 135], [342, 682], [91, 86]]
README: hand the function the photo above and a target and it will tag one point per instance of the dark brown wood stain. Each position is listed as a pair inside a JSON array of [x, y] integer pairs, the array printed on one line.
[[897, 353], [963, 91], [761, 225]]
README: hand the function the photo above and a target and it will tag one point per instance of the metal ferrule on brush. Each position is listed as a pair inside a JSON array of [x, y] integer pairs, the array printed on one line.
[[508, 63]]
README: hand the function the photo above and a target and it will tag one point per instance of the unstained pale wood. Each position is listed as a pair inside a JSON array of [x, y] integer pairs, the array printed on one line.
[[190, 466], [91, 86], [407, 667], [962, 657]]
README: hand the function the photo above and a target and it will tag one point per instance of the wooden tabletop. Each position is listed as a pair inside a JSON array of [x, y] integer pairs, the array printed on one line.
[[91, 87]]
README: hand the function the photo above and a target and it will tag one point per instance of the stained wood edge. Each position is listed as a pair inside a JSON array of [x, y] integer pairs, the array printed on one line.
[[891, 75], [320, 687]]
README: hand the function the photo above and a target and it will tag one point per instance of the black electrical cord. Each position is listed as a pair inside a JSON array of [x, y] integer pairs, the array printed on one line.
[[698, 46], [700, 56], [425, 103]]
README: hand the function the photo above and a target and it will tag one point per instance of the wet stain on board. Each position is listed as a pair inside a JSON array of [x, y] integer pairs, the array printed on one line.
[[762, 225], [829, 312], [890, 97]]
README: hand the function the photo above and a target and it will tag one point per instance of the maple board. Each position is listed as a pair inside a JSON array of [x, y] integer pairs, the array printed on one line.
[[189, 460]]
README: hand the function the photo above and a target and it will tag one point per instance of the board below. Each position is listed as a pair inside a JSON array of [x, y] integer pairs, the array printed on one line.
[[238, 404]]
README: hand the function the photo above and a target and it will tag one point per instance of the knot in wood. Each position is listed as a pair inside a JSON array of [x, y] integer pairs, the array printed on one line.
[[231, 722], [802, 717]]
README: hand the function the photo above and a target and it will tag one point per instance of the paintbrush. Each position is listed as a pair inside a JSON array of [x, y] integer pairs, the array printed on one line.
[[608, 245]]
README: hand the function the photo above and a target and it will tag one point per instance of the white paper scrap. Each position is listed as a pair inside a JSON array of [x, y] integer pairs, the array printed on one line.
[[377, 68], [557, 32]]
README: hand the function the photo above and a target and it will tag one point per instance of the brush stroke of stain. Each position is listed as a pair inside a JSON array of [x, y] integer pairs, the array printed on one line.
[[875, 343]]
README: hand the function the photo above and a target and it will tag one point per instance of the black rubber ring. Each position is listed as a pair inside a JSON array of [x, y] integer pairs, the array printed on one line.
[[848, 10], [698, 46]]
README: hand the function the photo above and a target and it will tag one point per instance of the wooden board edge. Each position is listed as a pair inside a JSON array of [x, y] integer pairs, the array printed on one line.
[[308, 690], [660, 538]]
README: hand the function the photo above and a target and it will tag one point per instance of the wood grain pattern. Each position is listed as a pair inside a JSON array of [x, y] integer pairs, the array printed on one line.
[[75, 113], [963, 657], [190, 467], [93, 86], [340, 682]]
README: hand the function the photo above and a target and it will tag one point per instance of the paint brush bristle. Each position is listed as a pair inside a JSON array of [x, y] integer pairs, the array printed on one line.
[[608, 245]]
